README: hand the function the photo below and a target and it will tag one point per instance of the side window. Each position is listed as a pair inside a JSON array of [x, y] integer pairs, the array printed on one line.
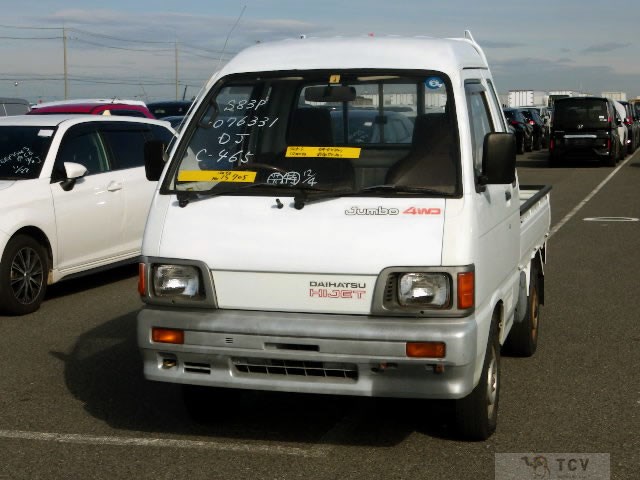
[[127, 146], [86, 148], [125, 113], [480, 120], [496, 104], [161, 133]]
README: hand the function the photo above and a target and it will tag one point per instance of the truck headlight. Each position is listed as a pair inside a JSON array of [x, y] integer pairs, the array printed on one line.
[[176, 281], [429, 290]]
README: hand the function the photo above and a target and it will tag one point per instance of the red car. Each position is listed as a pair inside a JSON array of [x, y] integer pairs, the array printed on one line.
[[130, 108]]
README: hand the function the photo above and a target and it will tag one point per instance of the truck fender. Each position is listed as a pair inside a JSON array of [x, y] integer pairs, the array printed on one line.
[[521, 306]]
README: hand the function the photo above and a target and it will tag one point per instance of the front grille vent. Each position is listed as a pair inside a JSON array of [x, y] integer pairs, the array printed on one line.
[[192, 367], [311, 370], [390, 289]]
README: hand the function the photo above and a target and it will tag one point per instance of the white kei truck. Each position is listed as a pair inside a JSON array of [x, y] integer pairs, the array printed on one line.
[[343, 216]]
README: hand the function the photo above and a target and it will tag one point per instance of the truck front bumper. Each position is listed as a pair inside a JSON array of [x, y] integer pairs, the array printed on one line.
[[310, 353]]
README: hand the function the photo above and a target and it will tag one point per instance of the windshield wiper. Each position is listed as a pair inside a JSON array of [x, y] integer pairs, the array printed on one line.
[[302, 198], [185, 196]]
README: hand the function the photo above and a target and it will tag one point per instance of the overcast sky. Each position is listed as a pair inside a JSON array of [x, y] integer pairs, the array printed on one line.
[[128, 48]]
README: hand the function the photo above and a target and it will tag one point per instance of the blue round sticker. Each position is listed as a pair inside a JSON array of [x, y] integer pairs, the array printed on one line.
[[434, 83]]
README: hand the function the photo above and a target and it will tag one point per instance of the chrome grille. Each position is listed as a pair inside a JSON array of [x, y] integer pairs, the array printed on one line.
[[318, 370]]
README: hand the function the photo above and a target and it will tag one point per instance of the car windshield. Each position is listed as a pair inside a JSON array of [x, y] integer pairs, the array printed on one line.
[[328, 131], [22, 151], [589, 113]]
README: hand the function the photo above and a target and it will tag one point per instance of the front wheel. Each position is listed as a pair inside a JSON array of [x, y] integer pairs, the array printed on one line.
[[23, 276], [477, 413]]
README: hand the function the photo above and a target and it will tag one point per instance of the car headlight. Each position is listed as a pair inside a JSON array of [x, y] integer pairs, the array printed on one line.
[[425, 290], [177, 281]]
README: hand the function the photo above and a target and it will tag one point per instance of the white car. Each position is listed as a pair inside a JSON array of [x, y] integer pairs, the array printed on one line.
[[623, 132], [73, 197]]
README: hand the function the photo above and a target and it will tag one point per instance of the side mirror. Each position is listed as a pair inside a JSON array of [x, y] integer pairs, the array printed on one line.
[[154, 159], [73, 171], [498, 159]]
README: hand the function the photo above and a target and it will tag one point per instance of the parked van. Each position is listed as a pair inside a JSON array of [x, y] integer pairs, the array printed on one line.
[[297, 243], [585, 127], [13, 106]]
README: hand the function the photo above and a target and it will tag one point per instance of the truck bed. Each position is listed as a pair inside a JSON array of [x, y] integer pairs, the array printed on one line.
[[535, 219]]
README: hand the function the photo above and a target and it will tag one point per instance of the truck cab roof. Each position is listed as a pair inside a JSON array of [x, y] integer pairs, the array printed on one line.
[[446, 55]]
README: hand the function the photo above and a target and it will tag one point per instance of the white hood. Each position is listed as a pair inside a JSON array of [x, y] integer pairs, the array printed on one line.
[[6, 184], [271, 258]]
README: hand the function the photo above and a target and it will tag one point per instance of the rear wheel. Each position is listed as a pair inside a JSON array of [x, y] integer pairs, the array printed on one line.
[[529, 143], [538, 142], [523, 337], [23, 276], [612, 159], [477, 413]]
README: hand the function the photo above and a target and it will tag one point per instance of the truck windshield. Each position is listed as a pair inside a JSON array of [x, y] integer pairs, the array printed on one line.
[[22, 151], [327, 131]]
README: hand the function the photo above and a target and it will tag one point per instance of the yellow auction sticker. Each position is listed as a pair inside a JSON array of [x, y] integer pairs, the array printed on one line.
[[327, 152], [216, 176]]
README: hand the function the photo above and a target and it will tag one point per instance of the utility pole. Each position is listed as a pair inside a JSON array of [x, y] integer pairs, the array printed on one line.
[[64, 45], [176, 50]]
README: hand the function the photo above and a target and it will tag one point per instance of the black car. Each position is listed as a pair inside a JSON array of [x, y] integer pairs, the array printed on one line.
[[169, 108], [540, 133], [524, 131], [585, 127]]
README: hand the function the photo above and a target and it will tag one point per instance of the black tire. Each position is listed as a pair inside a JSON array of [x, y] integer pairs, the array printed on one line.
[[477, 413], [529, 146], [206, 405], [538, 142], [612, 159], [23, 275], [520, 145], [523, 337]]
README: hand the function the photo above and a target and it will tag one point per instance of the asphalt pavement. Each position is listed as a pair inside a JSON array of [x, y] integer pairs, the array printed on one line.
[[74, 404]]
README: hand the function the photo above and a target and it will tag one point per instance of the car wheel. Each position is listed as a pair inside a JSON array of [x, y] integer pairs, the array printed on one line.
[[520, 145], [538, 142], [523, 337], [477, 413], [529, 144], [23, 275], [612, 159]]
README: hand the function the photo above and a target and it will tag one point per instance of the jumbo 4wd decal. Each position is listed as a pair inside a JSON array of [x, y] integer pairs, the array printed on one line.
[[422, 211], [393, 211]]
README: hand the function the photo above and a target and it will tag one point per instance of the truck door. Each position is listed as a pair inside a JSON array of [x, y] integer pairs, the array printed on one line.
[[497, 205]]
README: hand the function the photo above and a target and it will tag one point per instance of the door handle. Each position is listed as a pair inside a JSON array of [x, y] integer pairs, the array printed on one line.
[[507, 195], [114, 186]]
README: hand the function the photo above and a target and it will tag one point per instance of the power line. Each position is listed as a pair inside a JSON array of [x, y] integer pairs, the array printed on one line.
[[119, 48], [30, 28], [31, 38]]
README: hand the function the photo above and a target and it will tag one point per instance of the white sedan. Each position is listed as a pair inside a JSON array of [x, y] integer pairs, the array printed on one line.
[[73, 198]]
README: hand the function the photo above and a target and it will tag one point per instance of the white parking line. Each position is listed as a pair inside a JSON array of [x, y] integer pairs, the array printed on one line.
[[577, 208], [161, 443]]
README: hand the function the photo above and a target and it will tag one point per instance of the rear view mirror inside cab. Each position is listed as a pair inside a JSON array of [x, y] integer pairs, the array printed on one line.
[[330, 93]]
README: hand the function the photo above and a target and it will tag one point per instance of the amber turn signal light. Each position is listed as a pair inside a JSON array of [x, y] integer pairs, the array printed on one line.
[[167, 335], [142, 284], [426, 349], [466, 290]]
